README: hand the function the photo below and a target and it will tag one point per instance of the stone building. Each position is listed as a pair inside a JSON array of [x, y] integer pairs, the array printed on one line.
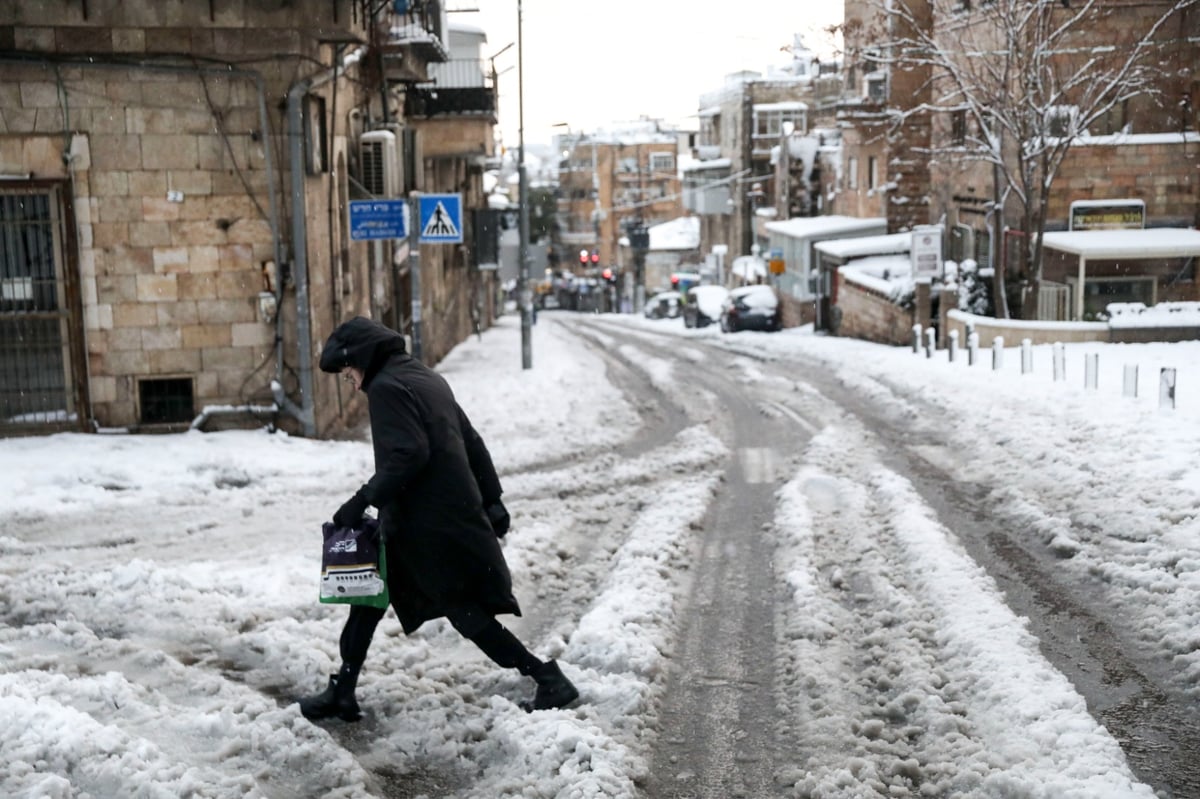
[[928, 168], [175, 238], [611, 180], [741, 125]]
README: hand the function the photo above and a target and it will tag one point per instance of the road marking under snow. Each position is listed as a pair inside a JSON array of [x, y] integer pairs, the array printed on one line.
[[759, 464]]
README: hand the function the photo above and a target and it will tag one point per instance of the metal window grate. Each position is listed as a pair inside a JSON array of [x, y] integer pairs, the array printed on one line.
[[33, 375], [166, 400]]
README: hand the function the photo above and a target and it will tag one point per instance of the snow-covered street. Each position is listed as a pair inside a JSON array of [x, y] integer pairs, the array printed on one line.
[[159, 594]]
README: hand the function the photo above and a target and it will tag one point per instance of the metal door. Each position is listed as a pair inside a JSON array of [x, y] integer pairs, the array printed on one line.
[[40, 385]]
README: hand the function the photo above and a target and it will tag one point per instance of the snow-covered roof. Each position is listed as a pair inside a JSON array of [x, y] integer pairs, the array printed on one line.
[[678, 234], [794, 105], [1159, 242], [804, 227], [883, 273], [712, 163], [865, 245]]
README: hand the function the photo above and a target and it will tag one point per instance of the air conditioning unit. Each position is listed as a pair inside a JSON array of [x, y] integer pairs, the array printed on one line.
[[378, 165]]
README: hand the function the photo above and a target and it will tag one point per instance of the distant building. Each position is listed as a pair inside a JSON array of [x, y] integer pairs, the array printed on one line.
[[741, 126]]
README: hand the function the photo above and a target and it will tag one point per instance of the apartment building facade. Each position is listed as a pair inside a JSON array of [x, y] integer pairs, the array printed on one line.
[[175, 206]]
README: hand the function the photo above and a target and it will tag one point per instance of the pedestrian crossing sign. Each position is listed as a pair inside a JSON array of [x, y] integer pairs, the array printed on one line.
[[441, 219]]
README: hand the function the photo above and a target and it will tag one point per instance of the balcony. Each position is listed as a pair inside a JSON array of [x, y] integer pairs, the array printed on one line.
[[416, 38], [459, 87]]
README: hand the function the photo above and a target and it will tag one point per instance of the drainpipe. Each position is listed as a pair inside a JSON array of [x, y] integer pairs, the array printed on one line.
[[295, 125]]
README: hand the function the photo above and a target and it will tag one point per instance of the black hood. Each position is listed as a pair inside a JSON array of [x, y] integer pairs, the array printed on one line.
[[361, 343]]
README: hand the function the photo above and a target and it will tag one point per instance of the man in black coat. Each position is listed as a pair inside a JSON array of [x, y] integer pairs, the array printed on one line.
[[440, 513]]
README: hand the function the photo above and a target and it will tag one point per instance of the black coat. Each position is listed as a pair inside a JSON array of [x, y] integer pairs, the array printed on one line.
[[433, 478]]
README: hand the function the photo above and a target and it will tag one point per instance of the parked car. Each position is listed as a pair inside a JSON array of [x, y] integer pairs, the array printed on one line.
[[703, 305], [751, 308], [664, 305]]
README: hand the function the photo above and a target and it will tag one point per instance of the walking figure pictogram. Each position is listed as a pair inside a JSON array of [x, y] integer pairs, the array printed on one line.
[[440, 225]]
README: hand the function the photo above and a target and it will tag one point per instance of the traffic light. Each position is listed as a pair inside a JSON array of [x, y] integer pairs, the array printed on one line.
[[583, 257], [674, 281], [595, 257], [607, 274]]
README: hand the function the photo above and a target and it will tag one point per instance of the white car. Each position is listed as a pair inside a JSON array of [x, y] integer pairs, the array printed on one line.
[[703, 306]]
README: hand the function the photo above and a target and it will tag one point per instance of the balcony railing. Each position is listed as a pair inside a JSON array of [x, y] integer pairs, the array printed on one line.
[[455, 88]]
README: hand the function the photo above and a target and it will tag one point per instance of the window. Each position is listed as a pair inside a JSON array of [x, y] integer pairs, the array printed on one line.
[[958, 127], [1114, 119], [769, 124], [872, 172], [1061, 121], [983, 248], [315, 135], [166, 400], [662, 162], [710, 130], [962, 242], [852, 174], [875, 86]]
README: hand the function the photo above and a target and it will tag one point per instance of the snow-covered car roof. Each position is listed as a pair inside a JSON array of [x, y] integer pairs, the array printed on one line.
[[757, 296], [709, 298]]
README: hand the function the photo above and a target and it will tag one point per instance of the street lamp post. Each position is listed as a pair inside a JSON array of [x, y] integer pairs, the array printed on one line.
[[523, 288]]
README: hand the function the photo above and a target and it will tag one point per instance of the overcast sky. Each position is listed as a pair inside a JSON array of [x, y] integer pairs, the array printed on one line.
[[593, 64]]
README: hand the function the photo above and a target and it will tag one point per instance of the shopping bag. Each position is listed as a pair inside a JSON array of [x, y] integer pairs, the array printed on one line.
[[353, 567]]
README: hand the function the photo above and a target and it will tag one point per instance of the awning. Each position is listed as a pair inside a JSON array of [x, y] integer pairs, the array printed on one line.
[[1162, 242], [1107, 245]]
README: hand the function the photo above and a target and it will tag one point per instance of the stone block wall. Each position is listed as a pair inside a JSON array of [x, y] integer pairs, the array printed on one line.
[[868, 315], [1164, 172], [172, 248]]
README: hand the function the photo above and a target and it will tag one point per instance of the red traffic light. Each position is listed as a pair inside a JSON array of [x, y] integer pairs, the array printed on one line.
[[583, 256], [595, 257], [674, 280], [607, 274]]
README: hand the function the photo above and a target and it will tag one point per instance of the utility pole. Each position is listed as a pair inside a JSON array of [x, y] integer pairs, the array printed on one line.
[[523, 290]]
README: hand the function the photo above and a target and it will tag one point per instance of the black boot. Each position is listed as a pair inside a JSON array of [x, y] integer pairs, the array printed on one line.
[[336, 700], [553, 688]]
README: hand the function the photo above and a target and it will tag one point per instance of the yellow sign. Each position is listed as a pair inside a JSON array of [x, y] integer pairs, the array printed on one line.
[[776, 266]]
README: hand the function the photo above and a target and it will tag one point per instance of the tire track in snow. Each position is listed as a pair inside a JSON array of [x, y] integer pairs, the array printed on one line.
[[911, 674]]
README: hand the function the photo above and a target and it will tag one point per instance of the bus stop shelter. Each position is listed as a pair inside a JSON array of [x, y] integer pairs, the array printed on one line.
[[1119, 245]]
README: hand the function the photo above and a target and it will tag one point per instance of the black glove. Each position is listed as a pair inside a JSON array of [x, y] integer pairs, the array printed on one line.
[[351, 513], [498, 515]]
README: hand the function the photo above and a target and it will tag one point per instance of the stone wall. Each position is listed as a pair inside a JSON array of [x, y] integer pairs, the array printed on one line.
[[1164, 172], [869, 315], [171, 246]]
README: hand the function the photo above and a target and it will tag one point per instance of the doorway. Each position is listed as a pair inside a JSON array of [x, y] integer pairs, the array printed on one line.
[[42, 377]]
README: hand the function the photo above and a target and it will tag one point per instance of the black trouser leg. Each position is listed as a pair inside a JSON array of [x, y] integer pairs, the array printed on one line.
[[357, 633], [492, 638]]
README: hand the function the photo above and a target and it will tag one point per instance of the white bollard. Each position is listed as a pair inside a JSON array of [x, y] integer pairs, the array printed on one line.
[[997, 353], [952, 345], [972, 348], [1129, 386], [1166, 388], [916, 331], [1091, 370], [1060, 361], [1026, 356], [930, 342]]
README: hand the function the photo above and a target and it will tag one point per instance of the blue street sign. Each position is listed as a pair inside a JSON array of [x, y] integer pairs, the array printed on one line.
[[378, 219], [441, 219]]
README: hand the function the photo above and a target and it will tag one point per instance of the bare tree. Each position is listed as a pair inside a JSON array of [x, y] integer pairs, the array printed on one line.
[[1022, 80]]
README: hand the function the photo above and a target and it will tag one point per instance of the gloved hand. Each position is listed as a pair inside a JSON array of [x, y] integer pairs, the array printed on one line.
[[498, 515], [351, 512]]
